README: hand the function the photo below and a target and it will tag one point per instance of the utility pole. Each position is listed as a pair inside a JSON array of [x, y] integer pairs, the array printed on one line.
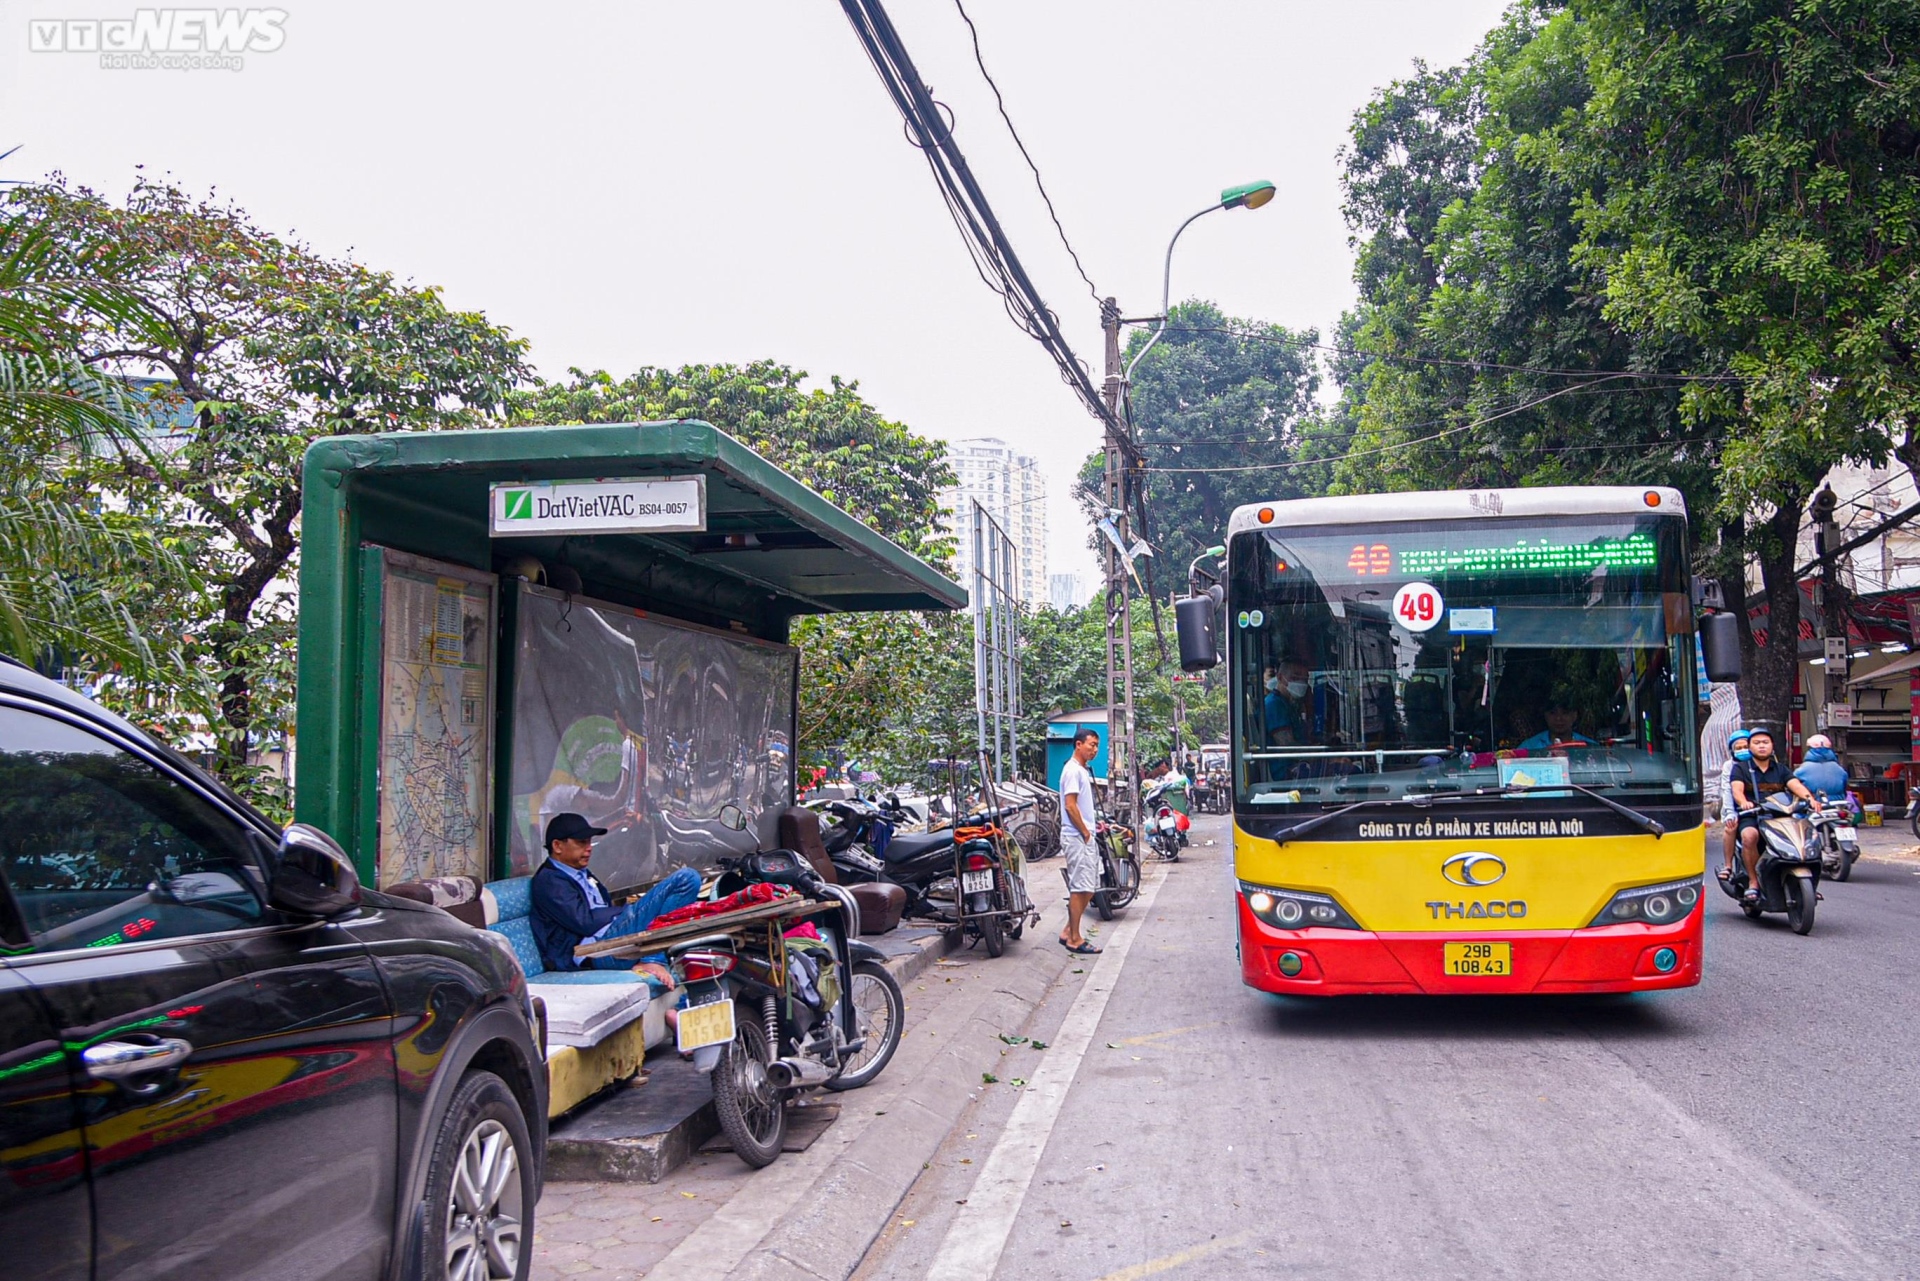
[[1833, 610], [1123, 766]]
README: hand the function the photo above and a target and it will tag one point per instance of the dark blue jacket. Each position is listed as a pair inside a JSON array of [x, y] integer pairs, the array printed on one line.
[[561, 917], [1823, 774]]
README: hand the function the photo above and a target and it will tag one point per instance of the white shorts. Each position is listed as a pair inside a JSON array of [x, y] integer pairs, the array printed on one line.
[[1083, 862]]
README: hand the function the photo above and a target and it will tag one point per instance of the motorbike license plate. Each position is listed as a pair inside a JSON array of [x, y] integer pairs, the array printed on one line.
[[976, 882], [1846, 833], [1477, 960], [709, 1024]]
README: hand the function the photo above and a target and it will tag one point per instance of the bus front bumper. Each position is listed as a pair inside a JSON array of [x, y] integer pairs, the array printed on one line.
[[1332, 962]]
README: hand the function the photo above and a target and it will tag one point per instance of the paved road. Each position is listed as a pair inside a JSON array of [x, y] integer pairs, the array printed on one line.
[[1765, 1123]]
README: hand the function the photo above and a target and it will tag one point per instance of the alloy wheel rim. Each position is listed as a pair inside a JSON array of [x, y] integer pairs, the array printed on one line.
[[484, 1211]]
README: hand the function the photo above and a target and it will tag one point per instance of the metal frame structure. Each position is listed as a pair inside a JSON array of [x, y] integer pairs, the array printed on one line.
[[996, 643]]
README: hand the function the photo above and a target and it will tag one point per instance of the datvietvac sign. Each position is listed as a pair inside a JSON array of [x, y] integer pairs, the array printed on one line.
[[654, 505]]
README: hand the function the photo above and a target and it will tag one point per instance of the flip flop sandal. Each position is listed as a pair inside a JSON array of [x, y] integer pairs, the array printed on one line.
[[1085, 949]]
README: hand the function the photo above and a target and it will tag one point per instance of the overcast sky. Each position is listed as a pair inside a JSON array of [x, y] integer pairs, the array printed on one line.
[[643, 183]]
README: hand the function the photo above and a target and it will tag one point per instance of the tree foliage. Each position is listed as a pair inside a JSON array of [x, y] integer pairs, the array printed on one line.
[[1224, 412], [829, 437], [1632, 241], [71, 573], [263, 345]]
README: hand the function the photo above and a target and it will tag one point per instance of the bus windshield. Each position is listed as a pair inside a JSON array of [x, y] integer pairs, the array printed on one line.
[[1416, 659]]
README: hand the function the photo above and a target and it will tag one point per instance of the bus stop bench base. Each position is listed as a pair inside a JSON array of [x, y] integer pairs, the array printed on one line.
[[636, 1135]]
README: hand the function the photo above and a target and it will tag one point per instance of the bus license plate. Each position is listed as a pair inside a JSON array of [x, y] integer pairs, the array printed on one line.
[[709, 1024], [1478, 960], [976, 882]]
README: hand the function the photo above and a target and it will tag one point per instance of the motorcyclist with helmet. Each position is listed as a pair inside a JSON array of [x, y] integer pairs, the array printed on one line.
[[1822, 771], [1752, 781], [1730, 816]]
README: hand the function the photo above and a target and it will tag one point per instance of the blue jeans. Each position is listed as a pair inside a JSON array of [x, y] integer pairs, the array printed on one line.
[[675, 891]]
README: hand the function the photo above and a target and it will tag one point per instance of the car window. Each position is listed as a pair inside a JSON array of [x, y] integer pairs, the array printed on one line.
[[99, 847]]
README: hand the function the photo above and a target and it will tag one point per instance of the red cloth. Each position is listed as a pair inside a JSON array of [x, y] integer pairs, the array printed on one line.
[[805, 930], [752, 896]]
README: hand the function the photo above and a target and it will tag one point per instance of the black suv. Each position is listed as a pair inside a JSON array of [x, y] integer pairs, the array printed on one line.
[[220, 1056]]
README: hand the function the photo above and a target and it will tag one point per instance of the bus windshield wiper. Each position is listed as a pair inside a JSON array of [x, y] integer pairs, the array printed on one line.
[[1644, 822], [1320, 820]]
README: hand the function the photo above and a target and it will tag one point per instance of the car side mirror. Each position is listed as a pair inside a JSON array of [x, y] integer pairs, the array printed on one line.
[[1193, 621], [313, 876], [1720, 647], [733, 817]]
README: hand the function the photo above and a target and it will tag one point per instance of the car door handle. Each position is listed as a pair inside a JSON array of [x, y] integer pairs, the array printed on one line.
[[116, 1060]]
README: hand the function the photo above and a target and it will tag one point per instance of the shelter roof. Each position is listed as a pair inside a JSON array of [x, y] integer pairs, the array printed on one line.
[[772, 548]]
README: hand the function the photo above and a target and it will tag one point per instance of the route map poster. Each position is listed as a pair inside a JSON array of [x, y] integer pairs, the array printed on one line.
[[436, 677], [647, 728]]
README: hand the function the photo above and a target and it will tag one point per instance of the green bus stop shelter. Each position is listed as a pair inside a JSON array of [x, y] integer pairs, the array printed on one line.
[[499, 625]]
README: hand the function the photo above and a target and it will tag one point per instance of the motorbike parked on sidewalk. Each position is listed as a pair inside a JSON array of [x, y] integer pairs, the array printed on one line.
[[769, 1015], [1790, 854], [959, 878], [1119, 869], [1839, 843]]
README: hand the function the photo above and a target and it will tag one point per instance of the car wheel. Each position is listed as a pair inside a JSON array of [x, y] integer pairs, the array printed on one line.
[[480, 1192]]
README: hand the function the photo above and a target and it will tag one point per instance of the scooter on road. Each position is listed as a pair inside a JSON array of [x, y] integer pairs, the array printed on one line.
[[1790, 855], [1839, 843]]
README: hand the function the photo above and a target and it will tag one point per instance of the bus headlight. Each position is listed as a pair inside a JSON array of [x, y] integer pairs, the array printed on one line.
[[1296, 909], [1661, 904]]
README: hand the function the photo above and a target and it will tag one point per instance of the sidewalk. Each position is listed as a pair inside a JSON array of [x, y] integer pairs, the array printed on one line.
[[830, 1201], [1891, 842]]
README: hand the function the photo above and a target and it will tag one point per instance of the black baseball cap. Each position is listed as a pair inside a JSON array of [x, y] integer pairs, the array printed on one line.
[[571, 827]]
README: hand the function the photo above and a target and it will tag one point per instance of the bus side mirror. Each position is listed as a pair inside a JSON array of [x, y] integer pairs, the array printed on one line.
[[1193, 621], [1720, 647]]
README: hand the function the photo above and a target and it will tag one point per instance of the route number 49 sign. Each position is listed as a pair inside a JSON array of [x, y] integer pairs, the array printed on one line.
[[1417, 606]]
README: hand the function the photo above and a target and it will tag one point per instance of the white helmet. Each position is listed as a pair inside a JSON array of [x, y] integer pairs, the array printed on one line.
[[1818, 740]]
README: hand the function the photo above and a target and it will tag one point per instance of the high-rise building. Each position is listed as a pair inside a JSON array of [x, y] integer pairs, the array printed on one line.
[[1067, 591], [1012, 490]]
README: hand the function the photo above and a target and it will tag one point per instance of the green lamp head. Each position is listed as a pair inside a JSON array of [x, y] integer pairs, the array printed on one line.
[[1248, 195]]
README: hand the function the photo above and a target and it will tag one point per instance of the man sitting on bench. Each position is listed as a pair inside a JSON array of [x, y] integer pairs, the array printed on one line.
[[571, 906]]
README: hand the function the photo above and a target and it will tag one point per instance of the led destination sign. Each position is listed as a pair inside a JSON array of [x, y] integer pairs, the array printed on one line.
[[1634, 551]]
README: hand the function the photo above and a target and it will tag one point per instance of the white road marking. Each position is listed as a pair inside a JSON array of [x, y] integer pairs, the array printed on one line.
[[971, 1249]]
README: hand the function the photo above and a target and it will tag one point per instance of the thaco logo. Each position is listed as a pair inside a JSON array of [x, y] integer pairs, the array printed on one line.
[[1473, 869]]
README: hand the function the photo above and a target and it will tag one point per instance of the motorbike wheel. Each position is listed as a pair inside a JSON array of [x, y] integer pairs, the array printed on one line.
[[752, 1114], [992, 934], [1102, 903], [1800, 901], [1752, 910], [882, 1012], [1845, 870]]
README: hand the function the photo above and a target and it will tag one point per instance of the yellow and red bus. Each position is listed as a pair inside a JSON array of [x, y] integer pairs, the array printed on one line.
[[1465, 749]]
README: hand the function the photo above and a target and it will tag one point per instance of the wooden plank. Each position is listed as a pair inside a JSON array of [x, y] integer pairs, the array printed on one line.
[[790, 906]]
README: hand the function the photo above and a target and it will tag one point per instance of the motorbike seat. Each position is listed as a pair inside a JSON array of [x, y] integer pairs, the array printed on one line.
[[904, 849]]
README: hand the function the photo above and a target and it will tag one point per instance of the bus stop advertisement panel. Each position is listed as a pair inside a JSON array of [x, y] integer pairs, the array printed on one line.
[[450, 702]]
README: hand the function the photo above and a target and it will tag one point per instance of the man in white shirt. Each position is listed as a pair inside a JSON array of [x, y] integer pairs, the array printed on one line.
[[1076, 839]]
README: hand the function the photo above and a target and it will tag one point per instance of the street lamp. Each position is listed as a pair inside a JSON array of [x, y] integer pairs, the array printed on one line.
[[1248, 195]]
